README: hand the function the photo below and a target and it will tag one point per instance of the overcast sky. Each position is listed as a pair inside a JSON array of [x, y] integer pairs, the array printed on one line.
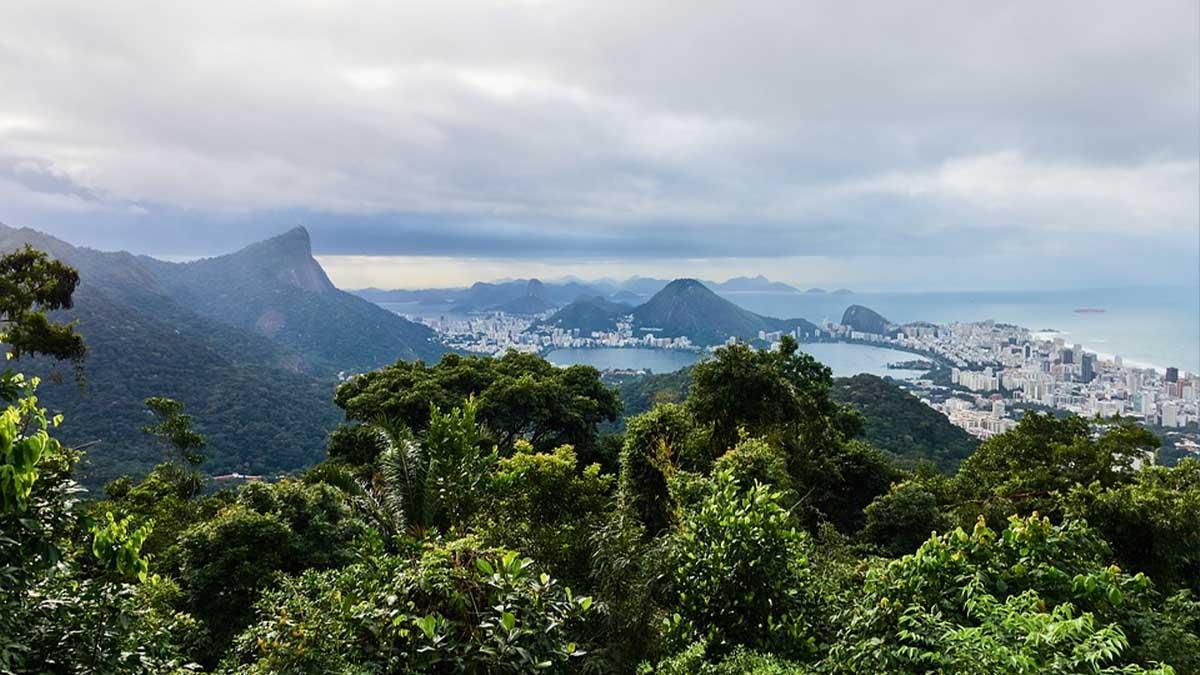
[[874, 144]]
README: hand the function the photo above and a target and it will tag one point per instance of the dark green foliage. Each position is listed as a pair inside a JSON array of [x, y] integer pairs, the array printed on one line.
[[259, 397], [451, 608], [227, 560], [764, 391], [61, 609], [356, 444], [544, 505], [258, 418], [1153, 522], [838, 481], [32, 284], [899, 521], [640, 394], [519, 396], [897, 423], [655, 444], [175, 428], [1029, 468]]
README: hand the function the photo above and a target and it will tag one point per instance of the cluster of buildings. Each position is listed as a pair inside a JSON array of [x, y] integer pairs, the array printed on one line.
[[498, 332], [1000, 367], [994, 369]]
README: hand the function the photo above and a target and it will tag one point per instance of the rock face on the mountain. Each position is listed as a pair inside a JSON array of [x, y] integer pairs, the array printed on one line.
[[686, 307], [866, 320], [263, 406], [276, 288]]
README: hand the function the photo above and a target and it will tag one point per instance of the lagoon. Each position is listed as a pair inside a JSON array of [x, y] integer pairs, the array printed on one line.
[[844, 360]]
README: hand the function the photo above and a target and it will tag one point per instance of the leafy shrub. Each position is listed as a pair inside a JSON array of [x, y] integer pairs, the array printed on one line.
[[1036, 596], [456, 607], [738, 575], [543, 505]]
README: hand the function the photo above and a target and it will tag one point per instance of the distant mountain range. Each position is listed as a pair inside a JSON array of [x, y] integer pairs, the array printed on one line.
[[513, 295], [684, 307], [250, 342]]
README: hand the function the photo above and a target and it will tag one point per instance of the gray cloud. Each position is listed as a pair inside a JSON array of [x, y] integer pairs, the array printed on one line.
[[1044, 131]]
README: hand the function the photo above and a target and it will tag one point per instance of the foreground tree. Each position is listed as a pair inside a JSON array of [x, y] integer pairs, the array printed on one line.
[[1036, 597], [31, 284], [519, 397]]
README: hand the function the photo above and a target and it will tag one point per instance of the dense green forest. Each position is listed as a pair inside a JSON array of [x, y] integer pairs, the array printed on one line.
[[897, 422], [469, 518], [252, 341], [893, 420]]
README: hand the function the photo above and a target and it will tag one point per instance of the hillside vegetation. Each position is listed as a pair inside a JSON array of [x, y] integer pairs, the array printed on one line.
[[460, 524], [251, 342]]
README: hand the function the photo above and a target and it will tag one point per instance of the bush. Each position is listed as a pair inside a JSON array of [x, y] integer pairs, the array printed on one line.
[[456, 607], [737, 574]]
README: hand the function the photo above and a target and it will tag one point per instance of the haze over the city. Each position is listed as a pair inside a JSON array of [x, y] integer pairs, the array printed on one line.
[[871, 145]]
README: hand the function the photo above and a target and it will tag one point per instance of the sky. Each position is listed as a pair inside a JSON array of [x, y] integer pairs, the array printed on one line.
[[875, 145]]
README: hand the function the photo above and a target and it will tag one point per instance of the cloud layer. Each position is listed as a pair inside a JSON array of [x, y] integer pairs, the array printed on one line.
[[1044, 132]]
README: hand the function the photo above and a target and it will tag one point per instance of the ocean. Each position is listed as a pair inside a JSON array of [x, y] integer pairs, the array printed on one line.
[[1157, 327]]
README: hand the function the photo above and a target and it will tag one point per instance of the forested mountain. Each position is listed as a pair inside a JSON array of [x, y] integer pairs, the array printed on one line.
[[895, 421], [866, 320], [275, 288], [249, 342], [587, 315], [686, 307]]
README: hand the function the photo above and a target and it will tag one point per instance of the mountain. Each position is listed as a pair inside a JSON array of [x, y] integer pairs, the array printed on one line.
[[686, 307], [511, 295], [627, 297], [587, 315], [757, 283], [843, 291], [261, 392], [815, 290], [898, 423], [866, 320], [643, 286], [275, 288], [533, 302]]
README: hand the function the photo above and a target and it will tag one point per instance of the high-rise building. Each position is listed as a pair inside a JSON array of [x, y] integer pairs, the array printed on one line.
[[1087, 367], [1170, 415], [1172, 375], [1067, 356]]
